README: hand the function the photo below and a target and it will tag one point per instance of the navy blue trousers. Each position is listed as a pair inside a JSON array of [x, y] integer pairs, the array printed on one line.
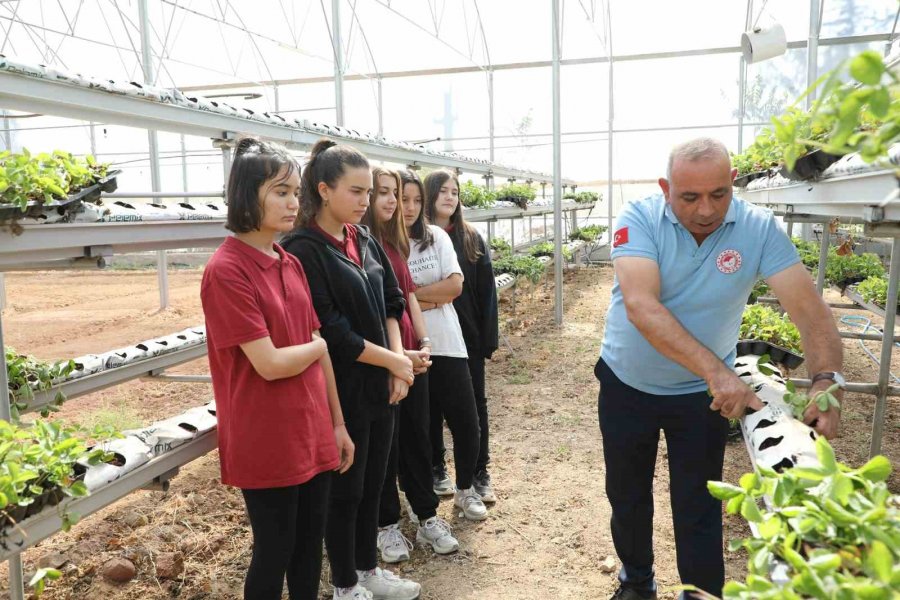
[[630, 422]]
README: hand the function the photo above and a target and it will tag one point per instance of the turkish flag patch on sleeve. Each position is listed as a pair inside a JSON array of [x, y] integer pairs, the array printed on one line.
[[621, 237]]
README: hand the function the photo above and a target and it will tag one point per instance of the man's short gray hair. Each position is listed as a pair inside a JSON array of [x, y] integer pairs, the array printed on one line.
[[696, 149]]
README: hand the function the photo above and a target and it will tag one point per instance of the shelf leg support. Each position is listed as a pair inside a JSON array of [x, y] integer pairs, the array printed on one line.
[[823, 258], [887, 347]]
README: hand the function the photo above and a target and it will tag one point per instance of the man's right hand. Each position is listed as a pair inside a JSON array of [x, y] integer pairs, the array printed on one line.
[[731, 396]]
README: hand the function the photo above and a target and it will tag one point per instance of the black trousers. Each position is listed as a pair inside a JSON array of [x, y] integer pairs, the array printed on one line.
[[452, 398], [288, 524], [476, 370], [352, 530], [630, 422], [410, 458]]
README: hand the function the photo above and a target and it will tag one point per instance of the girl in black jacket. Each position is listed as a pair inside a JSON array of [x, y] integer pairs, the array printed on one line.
[[359, 303], [476, 307]]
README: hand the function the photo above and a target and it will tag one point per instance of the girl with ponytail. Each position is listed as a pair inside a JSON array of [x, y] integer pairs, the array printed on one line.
[[476, 307], [411, 448], [281, 428], [439, 279], [359, 304]]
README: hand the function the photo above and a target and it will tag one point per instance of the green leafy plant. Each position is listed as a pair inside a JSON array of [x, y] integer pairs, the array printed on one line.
[[842, 270], [25, 177], [800, 401], [548, 249], [475, 196], [588, 233], [856, 107], [586, 197], [874, 289], [520, 265], [760, 289], [500, 245], [518, 193], [835, 530], [808, 251], [761, 322], [27, 375]]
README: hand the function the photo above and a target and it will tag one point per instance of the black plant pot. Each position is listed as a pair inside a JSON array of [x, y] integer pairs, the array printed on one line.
[[810, 166], [779, 355], [36, 506]]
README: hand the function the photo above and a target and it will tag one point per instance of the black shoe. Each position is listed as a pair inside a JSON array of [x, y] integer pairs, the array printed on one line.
[[630, 593], [482, 483]]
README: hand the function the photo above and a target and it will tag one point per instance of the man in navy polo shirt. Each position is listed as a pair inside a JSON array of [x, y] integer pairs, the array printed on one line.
[[685, 263]]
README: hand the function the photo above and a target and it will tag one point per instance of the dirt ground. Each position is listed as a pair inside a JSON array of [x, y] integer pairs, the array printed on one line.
[[547, 535]]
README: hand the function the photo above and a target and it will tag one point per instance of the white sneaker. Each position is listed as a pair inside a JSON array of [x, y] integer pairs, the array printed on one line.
[[384, 585], [393, 544], [357, 592], [470, 503], [436, 532]]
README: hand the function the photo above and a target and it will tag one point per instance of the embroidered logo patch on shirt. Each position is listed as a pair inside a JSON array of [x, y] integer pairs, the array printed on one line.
[[621, 237], [729, 261]]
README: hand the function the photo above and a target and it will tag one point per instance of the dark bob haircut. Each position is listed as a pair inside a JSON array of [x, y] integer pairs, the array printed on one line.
[[255, 163]]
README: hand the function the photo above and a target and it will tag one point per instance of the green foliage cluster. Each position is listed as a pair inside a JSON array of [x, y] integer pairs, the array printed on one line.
[[520, 265], [835, 529], [761, 322], [842, 270], [588, 233], [808, 251], [27, 374], [473, 195], [520, 193], [759, 290], [859, 113], [500, 245], [586, 197], [27, 177], [875, 289], [547, 249]]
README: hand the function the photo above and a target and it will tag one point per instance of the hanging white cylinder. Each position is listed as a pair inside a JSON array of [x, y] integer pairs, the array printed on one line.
[[763, 43]]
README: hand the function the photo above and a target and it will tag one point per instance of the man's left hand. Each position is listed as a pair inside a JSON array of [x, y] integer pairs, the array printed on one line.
[[825, 423]]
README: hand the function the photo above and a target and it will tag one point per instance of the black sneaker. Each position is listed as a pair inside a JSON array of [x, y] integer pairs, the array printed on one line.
[[441, 481], [482, 484], [630, 593]]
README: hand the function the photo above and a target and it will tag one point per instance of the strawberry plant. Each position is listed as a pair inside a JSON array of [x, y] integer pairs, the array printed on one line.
[[800, 401], [27, 375], [519, 194], [588, 233], [874, 289], [808, 251], [476, 196], [500, 246], [834, 530], [520, 266], [842, 270], [45, 177], [761, 322], [548, 248], [760, 289], [585, 197]]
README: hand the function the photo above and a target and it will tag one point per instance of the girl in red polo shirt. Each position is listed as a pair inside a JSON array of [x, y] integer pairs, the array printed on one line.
[[281, 429], [411, 449]]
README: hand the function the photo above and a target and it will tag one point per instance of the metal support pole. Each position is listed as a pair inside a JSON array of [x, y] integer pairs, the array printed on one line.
[[742, 80], [226, 163], [790, 229], [7, 132], [543, 189], [2, 291], [546, 235], [153, 141], [491, 113], [380, 110], [609, 129], [823, 258], [887, 346], [557, 170], [338, 61], [512, 234], [16, 578], [184, 177], [530, 231], [277, 98], [93, 133], [490, 233], [812, 51]]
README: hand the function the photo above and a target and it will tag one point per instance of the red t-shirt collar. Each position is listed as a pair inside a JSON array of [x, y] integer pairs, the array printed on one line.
[[348, 246], [261, 258]]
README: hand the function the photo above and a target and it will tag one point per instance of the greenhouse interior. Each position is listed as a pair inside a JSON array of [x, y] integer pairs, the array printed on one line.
[[498, 248]]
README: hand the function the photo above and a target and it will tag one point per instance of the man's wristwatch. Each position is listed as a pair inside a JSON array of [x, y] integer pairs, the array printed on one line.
[[834, 376]]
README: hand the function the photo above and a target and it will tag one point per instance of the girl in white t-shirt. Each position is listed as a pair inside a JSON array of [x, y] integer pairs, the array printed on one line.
[[438, 278]]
